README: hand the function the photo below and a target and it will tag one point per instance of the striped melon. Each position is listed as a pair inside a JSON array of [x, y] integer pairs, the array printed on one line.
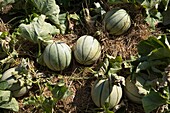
[[57, 56], [117, 21], [87, 50], [132, 91], [19, 84], [104, 91]]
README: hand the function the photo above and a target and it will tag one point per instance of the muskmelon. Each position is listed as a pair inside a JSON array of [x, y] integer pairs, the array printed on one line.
[[132, 91], [87, 50], [57, 56], [117, 21], [103, 91]]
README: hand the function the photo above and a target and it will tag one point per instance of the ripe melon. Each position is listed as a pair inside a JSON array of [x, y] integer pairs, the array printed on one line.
[[117, 21], [87, 50], [104, 91], [132, 91], [57, 56]]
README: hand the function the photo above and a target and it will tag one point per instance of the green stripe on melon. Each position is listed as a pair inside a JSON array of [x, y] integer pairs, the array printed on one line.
[[87, 50], [117, 21], [57, 56]]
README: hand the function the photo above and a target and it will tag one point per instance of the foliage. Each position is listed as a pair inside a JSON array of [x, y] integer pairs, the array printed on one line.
[[7, 101], [155, 10], [109, 69], [154, 58], [47, 103], [38, 30], [39, 20], [48, 8], [7, 49]]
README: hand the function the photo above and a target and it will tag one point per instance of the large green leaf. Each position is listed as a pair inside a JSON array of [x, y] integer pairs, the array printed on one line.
[[38, 30], [160, 53], [8, 102], [146, 46], [48, 8], [11, 105], [5, 96], [152, 100]]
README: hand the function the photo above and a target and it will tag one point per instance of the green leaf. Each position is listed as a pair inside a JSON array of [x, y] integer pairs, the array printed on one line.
[[59, 92], [146, 65], [8, 102], [63, 22], [31, 100], [11, 105], [152, 101], [160, 53], [38, 30], [48, 8], [5, 96], [146, 46], [48, 105], [115, 62], [153, 15], [3, 85]]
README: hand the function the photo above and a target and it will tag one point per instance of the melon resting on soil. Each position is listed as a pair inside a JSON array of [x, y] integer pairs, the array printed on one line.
[[132, 91], [104, 91], [87, 50], [117, 21], [57, 56]]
